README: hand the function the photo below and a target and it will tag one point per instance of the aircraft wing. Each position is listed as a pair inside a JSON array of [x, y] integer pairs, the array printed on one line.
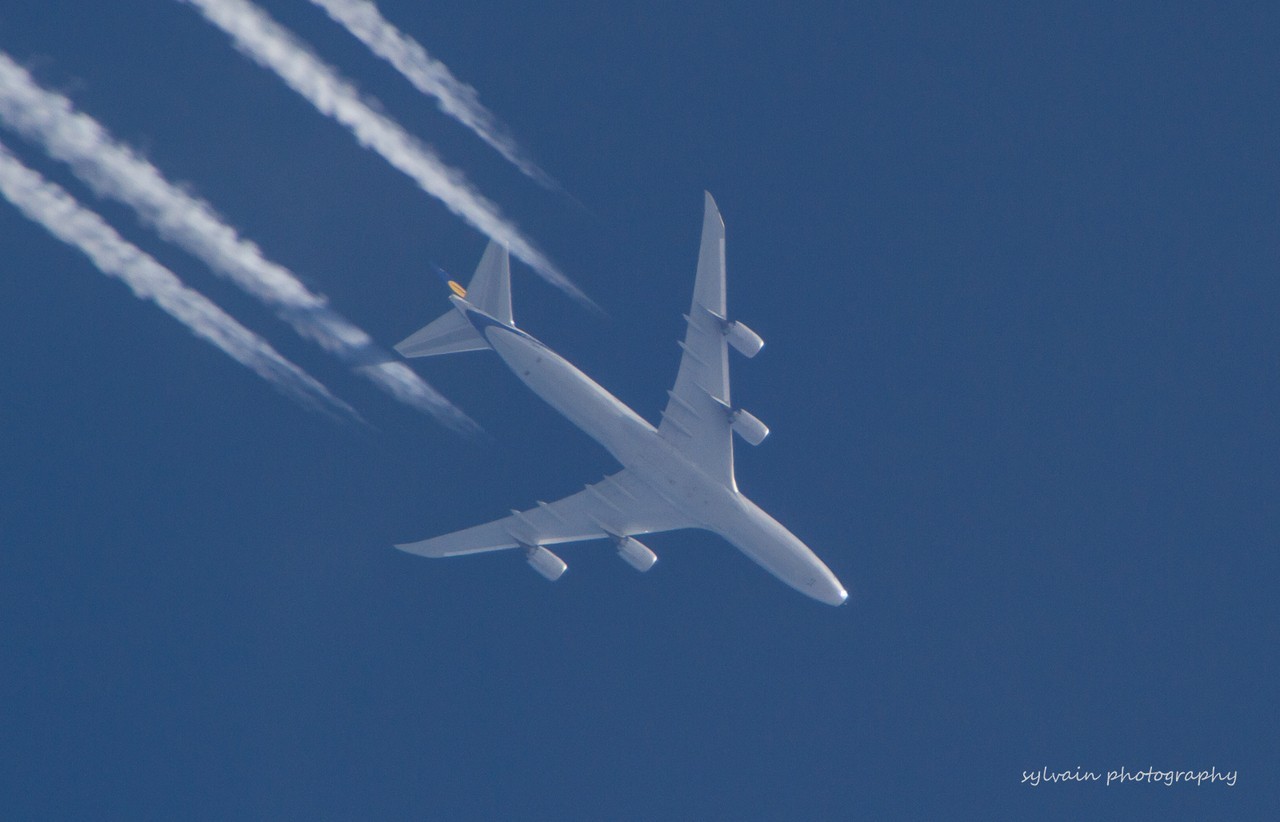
[[618, 505], [696, 419]]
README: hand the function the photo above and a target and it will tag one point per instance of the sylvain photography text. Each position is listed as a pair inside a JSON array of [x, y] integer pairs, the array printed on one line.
[[1151, 776]]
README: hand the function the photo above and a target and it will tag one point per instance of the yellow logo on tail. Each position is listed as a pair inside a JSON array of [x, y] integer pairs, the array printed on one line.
[[457, 289]]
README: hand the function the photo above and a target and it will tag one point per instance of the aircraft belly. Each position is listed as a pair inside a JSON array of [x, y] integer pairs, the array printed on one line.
[[782, 554], [677, 481], [738, 520], [575, 395]]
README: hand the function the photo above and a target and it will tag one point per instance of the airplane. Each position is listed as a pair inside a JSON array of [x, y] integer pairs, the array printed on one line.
[[677, 475]]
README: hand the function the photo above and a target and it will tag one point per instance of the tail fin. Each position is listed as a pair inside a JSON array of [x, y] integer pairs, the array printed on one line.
[[490, 287], [489, 291]]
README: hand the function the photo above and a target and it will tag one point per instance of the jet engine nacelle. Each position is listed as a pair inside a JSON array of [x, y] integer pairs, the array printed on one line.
[[636, 554], [748, 427], [545, 562], [744, 339]]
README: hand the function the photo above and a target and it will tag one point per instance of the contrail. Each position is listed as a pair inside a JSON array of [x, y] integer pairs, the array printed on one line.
[[62, 216], [431, 77], [114, 171], [270, 45]]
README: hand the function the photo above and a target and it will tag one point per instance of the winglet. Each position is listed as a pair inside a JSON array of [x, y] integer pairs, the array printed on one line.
[[708, 289]]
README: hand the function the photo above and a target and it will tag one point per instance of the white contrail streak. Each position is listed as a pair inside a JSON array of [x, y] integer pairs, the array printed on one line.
[[58, 213], [114, 171], [270, 45], [431, 77]]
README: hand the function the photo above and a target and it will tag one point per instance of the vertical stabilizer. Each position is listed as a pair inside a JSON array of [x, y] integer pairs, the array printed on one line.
[[490, 288]]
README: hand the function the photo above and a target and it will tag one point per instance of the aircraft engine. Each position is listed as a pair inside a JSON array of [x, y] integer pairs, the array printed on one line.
[[748, 427], [744, 339], [545, 562], [636, 554]]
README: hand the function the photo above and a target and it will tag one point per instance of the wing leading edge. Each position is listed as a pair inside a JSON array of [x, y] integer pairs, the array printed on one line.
[[617, 506]]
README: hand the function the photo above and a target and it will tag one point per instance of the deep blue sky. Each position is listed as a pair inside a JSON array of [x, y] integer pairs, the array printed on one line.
[[1017, 273]]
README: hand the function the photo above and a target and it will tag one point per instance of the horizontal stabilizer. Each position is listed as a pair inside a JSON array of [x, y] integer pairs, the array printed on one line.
[[448, 335]]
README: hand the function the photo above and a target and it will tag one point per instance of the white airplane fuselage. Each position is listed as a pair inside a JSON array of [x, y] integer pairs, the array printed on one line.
[[639, 447]]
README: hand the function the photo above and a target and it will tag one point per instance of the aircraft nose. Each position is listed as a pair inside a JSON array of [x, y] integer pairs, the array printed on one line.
[[836, 597], [833, 593]]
